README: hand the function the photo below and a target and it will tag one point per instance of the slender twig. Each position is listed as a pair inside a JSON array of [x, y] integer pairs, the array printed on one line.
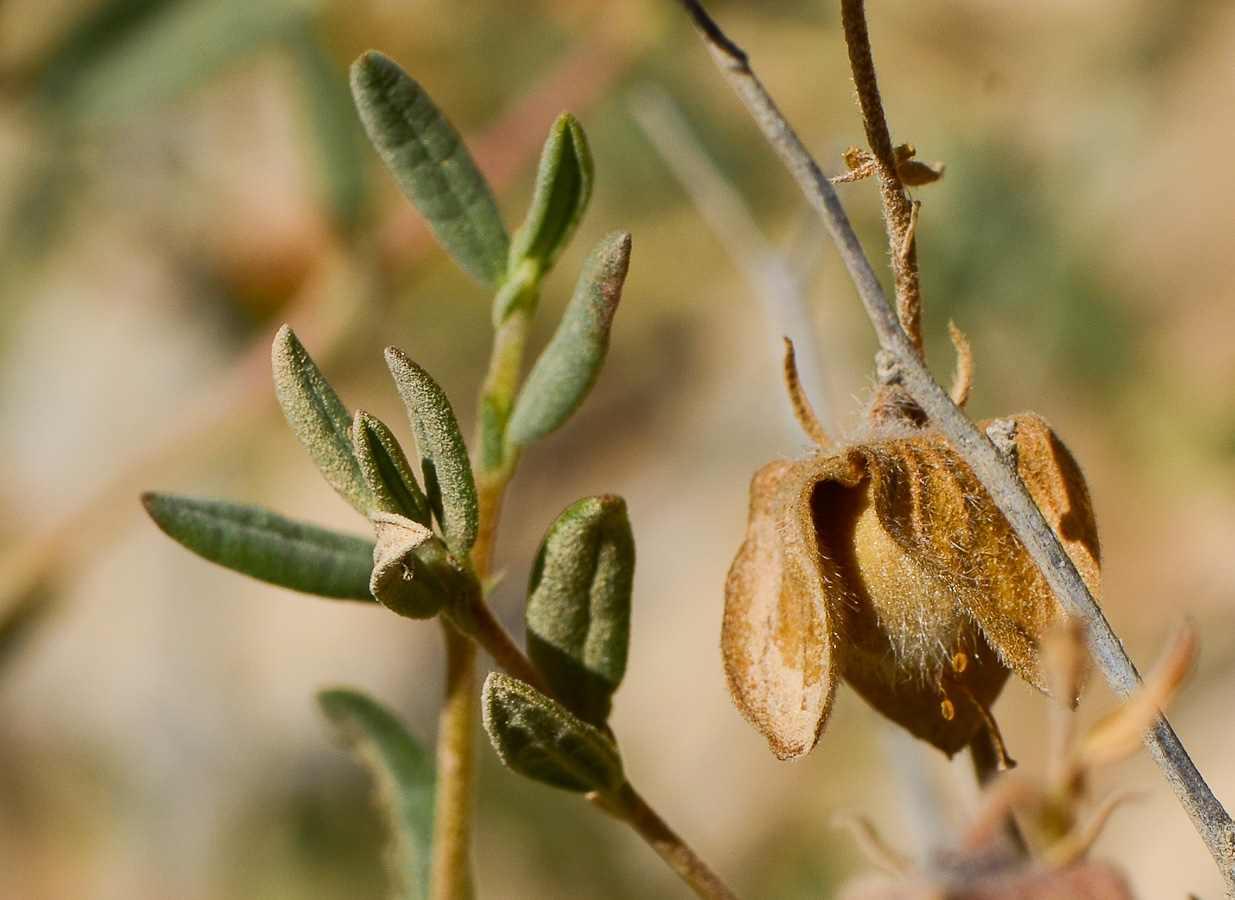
[[450, 877], [778, 280], [898, 211], [626, 804], [475, 626], [905, 366]]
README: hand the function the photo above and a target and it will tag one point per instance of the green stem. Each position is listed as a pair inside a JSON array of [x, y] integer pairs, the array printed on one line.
[[450, 878], [497, 396]]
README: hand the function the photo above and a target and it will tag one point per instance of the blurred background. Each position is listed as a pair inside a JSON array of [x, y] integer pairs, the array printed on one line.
[[180, 177]]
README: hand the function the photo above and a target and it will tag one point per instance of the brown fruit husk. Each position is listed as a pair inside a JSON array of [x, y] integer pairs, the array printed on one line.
[[885, 562]]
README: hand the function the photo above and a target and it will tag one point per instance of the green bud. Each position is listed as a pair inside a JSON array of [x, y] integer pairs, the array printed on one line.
[[563, 188]]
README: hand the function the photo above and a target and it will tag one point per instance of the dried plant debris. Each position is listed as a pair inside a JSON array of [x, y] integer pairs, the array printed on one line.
[[885, 562], [1054, 828], [860, 164]]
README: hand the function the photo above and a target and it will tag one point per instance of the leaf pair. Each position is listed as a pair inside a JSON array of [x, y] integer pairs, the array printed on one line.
[[578, 629], [431, 164]]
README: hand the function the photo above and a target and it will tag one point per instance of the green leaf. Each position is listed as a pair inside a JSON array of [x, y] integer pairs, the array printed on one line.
[[133, 55], [267, 546], [569, 365], [386, 470], [403, 775], [342, 149], [427, 158], [563, 188], [319, 419], [402, 580], [449, 484], [578, 609], [542, 740]]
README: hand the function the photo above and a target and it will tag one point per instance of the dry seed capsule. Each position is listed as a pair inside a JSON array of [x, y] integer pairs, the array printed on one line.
[[883, 563]]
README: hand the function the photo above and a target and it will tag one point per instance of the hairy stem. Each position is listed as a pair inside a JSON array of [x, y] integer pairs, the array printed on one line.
[[450, 877], [626, 804], [1001, 481], [897, 208]]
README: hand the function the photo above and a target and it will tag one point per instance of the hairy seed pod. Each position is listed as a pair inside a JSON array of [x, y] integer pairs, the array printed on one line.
[[886, 563]]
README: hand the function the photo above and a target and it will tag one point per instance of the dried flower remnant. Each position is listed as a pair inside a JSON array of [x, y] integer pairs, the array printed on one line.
[[861, 164], [1056, 830], [884, 562]]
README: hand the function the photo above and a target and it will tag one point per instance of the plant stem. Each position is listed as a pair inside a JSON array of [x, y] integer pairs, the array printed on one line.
[[626, 804], [452, 815], [450, 878], [897, 208], [484, 628], [904, 365]]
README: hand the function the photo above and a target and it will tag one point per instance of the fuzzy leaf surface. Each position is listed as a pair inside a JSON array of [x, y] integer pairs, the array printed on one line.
[[267, 546], [432, 166], [403, 775], [386, 470], [319, 419], [563, 188], [578, 609], [449, 483], [542, 740], [570, 364]]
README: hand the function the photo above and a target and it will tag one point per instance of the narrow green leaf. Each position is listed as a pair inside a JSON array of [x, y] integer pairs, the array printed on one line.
[[386, 470], [402, 581], [319, 419], [427, 158], [92, 38], [542, 740], [563, 188], [578, 609], [403, 776], [266, 546], [134, 55], [449, 484], [342, 148], [570, 364]]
